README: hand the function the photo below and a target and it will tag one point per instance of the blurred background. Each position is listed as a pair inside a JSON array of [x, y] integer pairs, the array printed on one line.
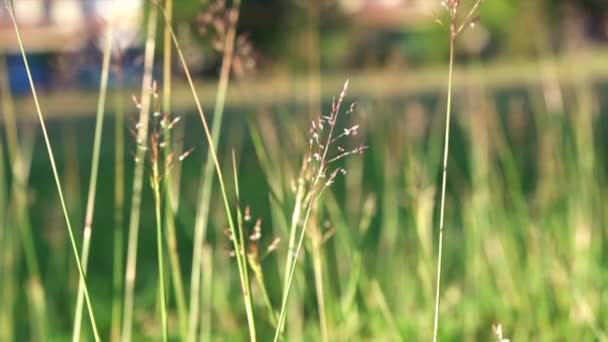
[[527, 180], [293, 36]]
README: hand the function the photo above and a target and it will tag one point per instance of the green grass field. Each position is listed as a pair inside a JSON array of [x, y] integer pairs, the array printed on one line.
[[525, 221]]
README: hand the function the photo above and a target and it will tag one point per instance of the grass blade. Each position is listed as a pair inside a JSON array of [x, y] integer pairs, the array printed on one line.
[[119, 195], [90, 211], [144, 116], [182, 59], [54, 167], [202, 213]]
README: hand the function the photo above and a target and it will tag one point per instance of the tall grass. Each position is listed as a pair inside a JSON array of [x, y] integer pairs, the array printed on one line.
[[240, 257], [204, 202], [314, 89], [90, 211], [135, 211], [6, 264], [20, 156], [317, 174], [55, 173], [3, 193], [523, 213], [455, 29], [159, 164], [172, 180], [119, 199], [18, 218]]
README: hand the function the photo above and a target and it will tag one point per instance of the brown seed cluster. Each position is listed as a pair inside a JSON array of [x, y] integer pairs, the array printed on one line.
[[326, 146], [254, 237], [158, 145], [215, 22], [458, 23]]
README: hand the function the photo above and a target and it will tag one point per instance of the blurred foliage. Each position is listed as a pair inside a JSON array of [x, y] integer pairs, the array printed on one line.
[[281, 31]]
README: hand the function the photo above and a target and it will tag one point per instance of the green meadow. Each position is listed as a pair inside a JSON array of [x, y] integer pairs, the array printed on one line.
[[326, 217]]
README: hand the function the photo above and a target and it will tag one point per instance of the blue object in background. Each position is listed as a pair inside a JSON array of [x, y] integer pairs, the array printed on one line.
[[17, 74], [132, 69], [86, 75]]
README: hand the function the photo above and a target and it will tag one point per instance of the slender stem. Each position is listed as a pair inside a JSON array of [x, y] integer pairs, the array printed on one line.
[[314, 94], [216, 162], [283, 312], [443, 181], [259, 276], [119, 195], [159, 246], [467, 20], [293, 229], [3, 195], [202, 214], [144, 116], [206, 295], [315, 193], [176, 272], [171, 188], [8, 109], [55, 172], [11, 257], [167, 57], [240, 250], [295, 218], [4, 313], [88, 221], [6, 266], [317, 262], [173, 250]]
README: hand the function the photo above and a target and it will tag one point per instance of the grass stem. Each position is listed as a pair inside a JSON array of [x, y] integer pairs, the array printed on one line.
[[119, 195], [54, 168], [317, 262], [90, 211], [144, 116], [455, 30], [171, 187], [20, 159], [240, 250], [448, 115], [315, 192], [156, 185], [204, 203], [212, 152]]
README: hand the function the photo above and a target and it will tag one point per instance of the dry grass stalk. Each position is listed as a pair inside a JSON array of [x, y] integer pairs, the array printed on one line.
[[456, 27], [319, 171]]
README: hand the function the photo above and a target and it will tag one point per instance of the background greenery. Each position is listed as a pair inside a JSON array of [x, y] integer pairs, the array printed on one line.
[[527, 188]]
